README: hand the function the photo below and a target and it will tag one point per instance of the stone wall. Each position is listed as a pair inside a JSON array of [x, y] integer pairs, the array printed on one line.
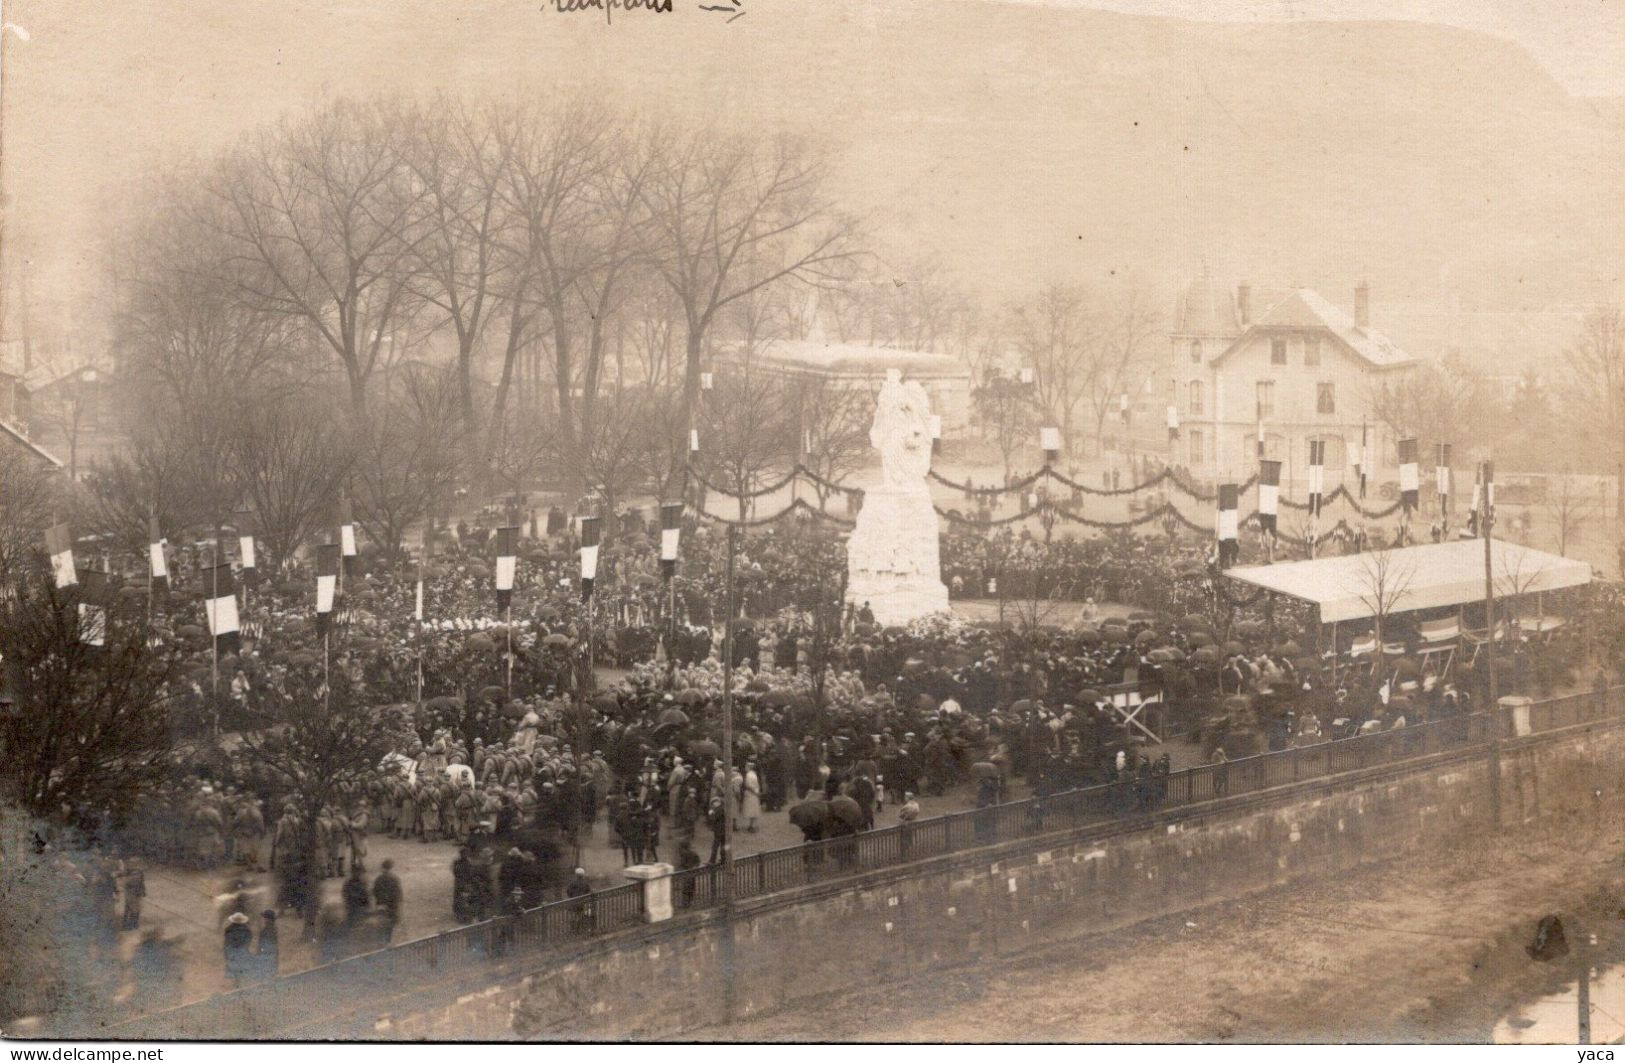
[[660, 981]]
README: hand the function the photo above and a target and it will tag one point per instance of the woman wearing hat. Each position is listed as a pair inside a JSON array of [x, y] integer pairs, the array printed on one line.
[[237, 939]]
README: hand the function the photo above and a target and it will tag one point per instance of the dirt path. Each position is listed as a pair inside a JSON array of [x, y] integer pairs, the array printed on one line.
[[1422, 950]]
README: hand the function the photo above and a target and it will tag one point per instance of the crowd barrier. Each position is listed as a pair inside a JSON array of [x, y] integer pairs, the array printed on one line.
[[284, 1002]]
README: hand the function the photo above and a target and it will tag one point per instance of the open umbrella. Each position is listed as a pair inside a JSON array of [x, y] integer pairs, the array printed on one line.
[[985, 769], [556, 640], [1206, 655], [706, 748], [757, 686], [1289, 648], [690, 697], [673, 718], [846, 810], [814, 814], [1250, 629], [1145, 638], [1193, 622], [1088, 636], [1089, 695], [1198, 639], [1233, 647], [1142, 615], [1022, 705], [493, 694]]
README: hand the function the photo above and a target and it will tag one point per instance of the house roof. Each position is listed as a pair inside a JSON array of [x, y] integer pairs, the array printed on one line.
[[1430, 576], [11, 434], [1205, 309], [1306, 309], [856, 359]]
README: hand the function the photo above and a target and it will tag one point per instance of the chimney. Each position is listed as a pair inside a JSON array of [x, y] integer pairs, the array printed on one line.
[[1244, 303], [1362, 307]]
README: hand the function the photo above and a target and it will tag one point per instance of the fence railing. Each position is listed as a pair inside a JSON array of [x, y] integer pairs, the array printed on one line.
[[286, 1002]]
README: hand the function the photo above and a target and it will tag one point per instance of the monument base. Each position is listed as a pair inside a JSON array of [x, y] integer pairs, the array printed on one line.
[[893, 562]]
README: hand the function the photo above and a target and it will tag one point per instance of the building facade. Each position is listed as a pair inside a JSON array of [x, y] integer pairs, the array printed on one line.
[[1284, 362]]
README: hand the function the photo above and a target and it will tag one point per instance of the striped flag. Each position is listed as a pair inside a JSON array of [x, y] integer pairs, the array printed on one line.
[[417, 607], [671, 530], [245, 544], [589, 554], [1362, 461], [220, 604], [347, 536], [1442, 475], [1226, 530], [936, 433], [1123, 407], [1410, 484], [1173, 422], [507, 560], [1317, 476], [158, 562], [327, 578], [59, 544], [1269, 494], [693, 440], [94, 595], [1049, 438]]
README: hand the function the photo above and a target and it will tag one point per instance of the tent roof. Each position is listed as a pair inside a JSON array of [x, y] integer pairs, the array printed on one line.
[[1430, 576]]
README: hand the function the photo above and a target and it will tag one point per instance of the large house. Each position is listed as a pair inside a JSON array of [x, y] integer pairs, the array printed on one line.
[[1285, 359]]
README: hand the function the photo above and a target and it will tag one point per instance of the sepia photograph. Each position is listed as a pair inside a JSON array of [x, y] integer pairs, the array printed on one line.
[[761, 522]]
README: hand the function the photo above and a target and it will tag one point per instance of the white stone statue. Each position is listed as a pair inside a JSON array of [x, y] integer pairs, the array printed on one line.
[[893, 565]]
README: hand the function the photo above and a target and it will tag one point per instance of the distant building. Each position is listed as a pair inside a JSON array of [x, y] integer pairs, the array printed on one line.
[[15, 415], [946, 379], [1285, 358]]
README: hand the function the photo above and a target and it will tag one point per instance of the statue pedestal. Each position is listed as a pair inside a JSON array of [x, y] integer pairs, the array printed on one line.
[[892, 557]]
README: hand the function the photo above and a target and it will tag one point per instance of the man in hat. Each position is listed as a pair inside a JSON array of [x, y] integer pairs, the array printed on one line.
[[236, 941]]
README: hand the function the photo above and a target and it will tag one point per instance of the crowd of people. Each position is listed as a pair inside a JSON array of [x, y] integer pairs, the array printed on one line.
[[512, 748]]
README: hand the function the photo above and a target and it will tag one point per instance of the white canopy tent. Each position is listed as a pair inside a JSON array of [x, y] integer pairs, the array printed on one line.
[[1431, 576]]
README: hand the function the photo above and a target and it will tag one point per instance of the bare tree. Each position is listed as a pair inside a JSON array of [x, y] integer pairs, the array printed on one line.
[[1006, 407], [28, 498], [319, 215], [735, 214], [1444, 402], [402, 471], [1597, 360], [1572, 508], [747, 438], [290, 458], [1129, 322], [98, 722], [1055, 336], [1384, 579], [834, 420]]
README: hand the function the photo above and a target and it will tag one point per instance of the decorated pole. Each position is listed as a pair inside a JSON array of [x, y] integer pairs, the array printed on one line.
[[507, 561], [671, 532], [1226, 527]]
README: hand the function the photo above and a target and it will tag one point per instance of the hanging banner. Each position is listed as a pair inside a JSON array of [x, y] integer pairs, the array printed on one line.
[[671, 530], [507, 561], [1409, 476], [1441, 475], [327, 578], [59, 544], [1269, 494], [1226, 526], [158, 563], [1173, 422], [1317, 476], [589, 554]]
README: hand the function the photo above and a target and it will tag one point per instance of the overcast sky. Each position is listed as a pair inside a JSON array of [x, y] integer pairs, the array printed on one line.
[[1582, 42]]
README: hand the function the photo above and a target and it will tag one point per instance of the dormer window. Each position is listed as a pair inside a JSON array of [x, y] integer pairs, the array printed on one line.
[[1311, 350], [1278, 351], [1196, 352]]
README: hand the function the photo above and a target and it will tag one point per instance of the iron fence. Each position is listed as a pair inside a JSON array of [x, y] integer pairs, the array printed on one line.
[[286, 1001]]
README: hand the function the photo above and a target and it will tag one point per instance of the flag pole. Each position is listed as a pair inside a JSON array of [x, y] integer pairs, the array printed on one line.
[[214, 641], [417, 634]]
